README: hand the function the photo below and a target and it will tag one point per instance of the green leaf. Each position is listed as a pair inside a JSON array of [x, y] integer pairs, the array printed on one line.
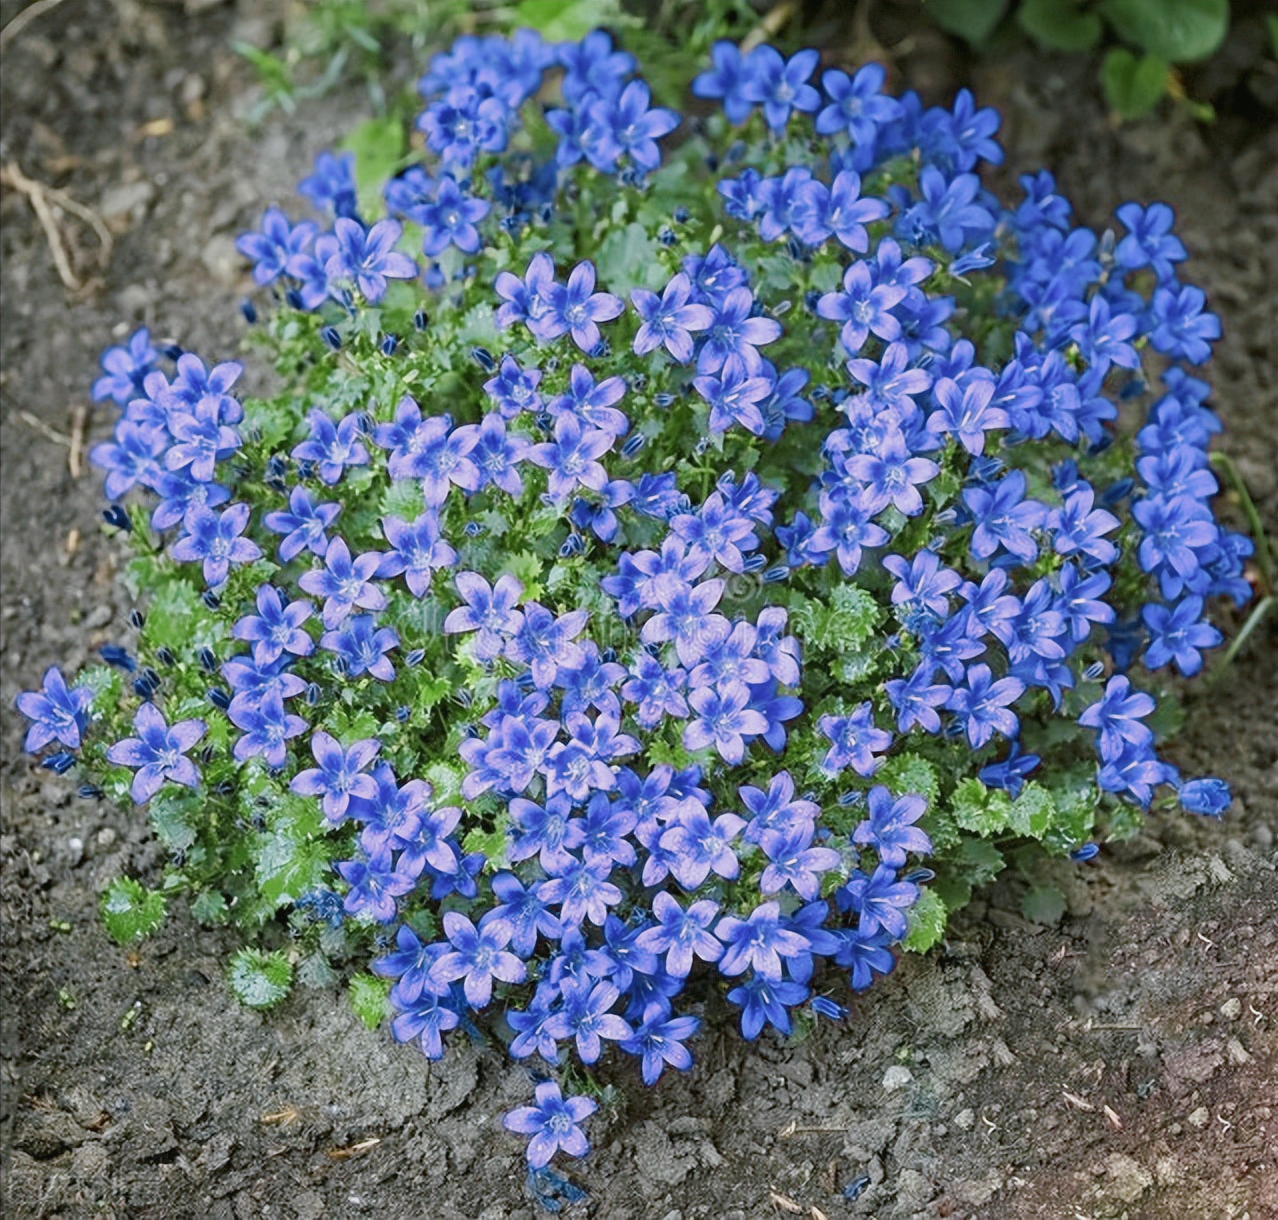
[[927, 922], [1133, 87], [1060, 25], [627, 258], [1032, 812], [131, 911], [209, 907], [908, 773], [978, 861], [843, 625], [260, 980], [985, 811], [1043, 904], [1178, 31], [369, 998], [172, 815], [971, 19], [286, 869], [174, 607], [570, 20], [378, 144]]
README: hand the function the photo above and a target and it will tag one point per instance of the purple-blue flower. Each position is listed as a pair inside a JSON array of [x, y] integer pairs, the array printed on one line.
[[344, 582], [340, 774], [855, 740], [361, 647], [982, 705], [479, 957], [303, 524], [276, 628], [890, 828], [332, 447], [215, 539], [157, 752], [552, 1123], [669, 319]]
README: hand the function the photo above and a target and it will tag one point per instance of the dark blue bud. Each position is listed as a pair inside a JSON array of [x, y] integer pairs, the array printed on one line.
[[701, 446], [416, 657], [402, 713], [484, 358], [633, 444], [856, 1188], [663, 400], [60, 763], [90, 792], [137, 620], [293, 299], [601, 350], [472, 529], [421, 319], [712, 163], [469, 731], [389, 344], [681, 215], [219, 698], [313, 694], [795, 248], [737, 150], [462, 697], [1065, 475], [819, 393], [524, 679], [1117, 492], [117, 518], [1093, 671], [638, 381], [277, 466], [330, 336], [1107, 439], [571, 545], [305, 469], [754, 563], [225, 788], [173, 351], [811, 300], [338, 666], [919, 876], [609, 655], [851, 799], [249, 310], [775, 575], [207, 658], [1086, 851], [113, 654], [1133, 389], [207, 754], [165, 656], [546, 212], [667, 236], [210, 599], [552, 364]]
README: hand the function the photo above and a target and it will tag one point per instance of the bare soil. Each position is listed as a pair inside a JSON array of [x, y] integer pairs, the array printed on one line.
[[1123, 1063]]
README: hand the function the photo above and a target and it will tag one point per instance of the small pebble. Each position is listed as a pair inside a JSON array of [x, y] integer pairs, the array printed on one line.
[[106, 836], [965, 1120], [1199, 1118], [75, 850], [897, 1077], [1232, 1008]]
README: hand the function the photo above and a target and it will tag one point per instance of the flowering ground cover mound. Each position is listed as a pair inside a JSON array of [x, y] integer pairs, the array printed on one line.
[[653, 579]]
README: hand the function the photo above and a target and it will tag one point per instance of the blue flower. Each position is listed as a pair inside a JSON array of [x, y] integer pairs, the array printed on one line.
[[273, 247], [758, 942], [628, 126], [375, 884], [1080, 527], [422, 1019], [659, 1040], [946, 213], [864, 307], [276, 628], [880, 901], [215, 539], [793, 861], [1003, 517], [552, 1123], [763, 1001], [450, 219], [57, 712], [267, 727], [1181, 329], [332, 185], [982, 705], [699, 846], [478, 956], [158, 752], [572, 457], [124, 369], [514, 389], [1009, 774], [838, 210], [856, 104], [1117, 717], [680, 933], [332, 447], [890, 830], [1209, 796], [361, 646], [369, 257], [723, 719], [1178, 633], [303, 524], [1149, 240], [735, 332], [854, 741], [669, 319], [581, 891], [734, 396], [344, 582], [867, 954], [891, 476], [586, 1018], [489, 610], [131, 457], [728, 81], [592, 403], [966, 412], [780, 85], [575, 309], [417, 551], [340, 774]]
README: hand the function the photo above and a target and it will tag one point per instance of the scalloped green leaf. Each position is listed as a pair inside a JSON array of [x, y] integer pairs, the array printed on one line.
[[1060, 25], [260, 980], [131, 911], [1133, 87], [927, 922], [973, 20], [369, 998], [1179, 31]]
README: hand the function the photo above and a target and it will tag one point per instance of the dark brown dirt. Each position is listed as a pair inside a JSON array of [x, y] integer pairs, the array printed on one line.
[[1123, 1063]]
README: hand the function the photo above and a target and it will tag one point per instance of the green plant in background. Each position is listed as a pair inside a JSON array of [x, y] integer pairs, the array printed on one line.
[[1156, 36]]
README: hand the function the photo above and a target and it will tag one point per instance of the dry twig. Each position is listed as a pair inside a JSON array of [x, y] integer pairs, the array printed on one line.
[[24, 19]]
